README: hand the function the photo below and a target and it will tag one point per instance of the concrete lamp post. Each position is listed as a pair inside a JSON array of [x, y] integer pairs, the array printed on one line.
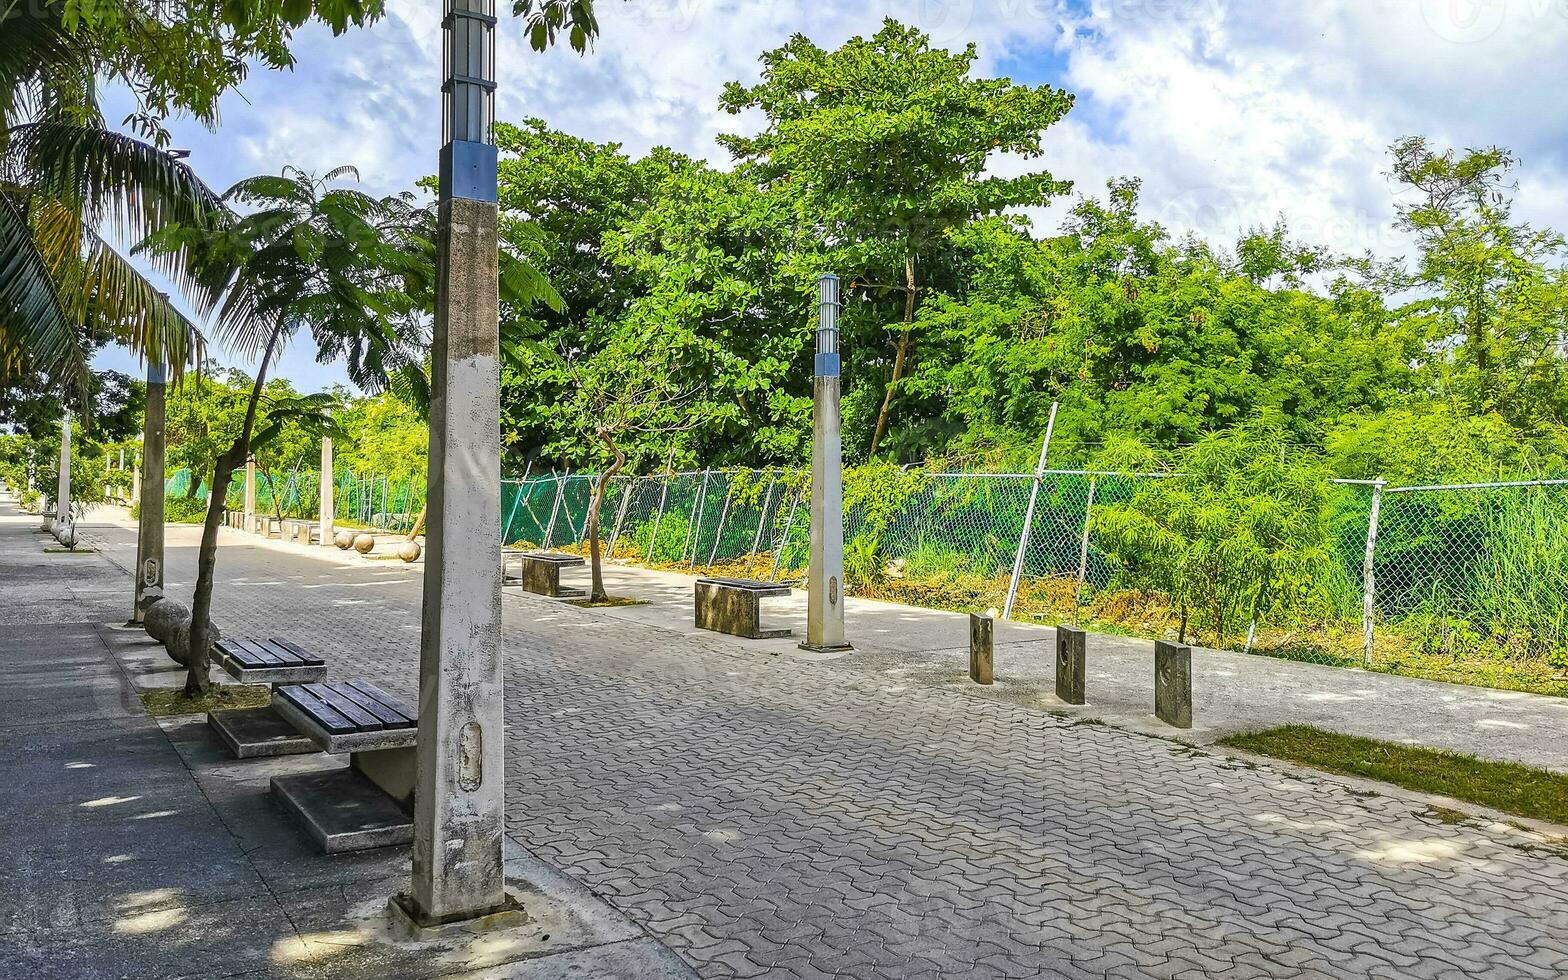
[[825, 577], [459, 871], [149, 528], [62, 527], [328, 488]]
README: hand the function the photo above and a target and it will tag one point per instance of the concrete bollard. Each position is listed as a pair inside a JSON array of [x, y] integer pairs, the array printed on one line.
[[1071, 659], [982, 632], [1173, 683], [364, 542]]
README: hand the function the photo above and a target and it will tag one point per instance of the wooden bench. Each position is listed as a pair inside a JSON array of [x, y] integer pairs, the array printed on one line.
[[370, 802], [734, 606], [252, 733], [540, 572]]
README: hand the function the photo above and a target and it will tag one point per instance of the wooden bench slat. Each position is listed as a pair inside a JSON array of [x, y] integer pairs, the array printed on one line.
[[306, 658], [286, 657], [372, 691], [324, 714], [389, 717], [255, 656], [363, 720]]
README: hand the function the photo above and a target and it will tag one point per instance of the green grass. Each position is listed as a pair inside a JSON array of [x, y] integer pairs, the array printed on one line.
[[1505, 786], [167, 702]]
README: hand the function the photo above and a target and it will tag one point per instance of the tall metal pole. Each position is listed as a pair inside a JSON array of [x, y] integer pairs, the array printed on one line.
[[1369, 578], [459, 817], [1023, 537], [825, 577], [149, 530]]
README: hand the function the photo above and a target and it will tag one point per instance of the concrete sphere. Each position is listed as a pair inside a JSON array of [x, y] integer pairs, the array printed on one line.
[[344, 539], [409, 550], [364, 543]]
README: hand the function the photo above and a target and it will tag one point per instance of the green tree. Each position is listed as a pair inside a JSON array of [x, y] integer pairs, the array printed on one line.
[[309, 256], [1495, 289], [629, 388], [884, 145], [1239, 531]]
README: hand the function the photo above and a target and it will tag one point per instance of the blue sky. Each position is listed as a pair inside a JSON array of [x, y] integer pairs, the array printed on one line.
[[1233, 112]]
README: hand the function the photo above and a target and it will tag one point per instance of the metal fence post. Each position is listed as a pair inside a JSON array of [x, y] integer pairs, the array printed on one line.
[[566, 511], [664, 496], [522, 484], [1023, 537], [620, 516], [560, 491], [762, 520], [1083, 553], [789, 525], [724, 515], [691, 522], [1368, 578]]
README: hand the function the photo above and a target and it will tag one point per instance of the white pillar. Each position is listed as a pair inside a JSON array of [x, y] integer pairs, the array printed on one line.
[[825, 577], [62, 498], [459, 803], [328, 488], [250, 494]]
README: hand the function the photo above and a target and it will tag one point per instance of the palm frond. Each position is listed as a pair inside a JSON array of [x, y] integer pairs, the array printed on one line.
[[113, 180], [34, 327]]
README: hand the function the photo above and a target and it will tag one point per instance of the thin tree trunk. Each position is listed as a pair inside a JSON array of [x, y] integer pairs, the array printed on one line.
[[598, 593], [904, 343], [419, 522], [196, 680]]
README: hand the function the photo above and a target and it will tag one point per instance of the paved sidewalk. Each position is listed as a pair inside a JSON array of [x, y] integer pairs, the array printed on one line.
[[768, 815], [905, 647], [134, 849]]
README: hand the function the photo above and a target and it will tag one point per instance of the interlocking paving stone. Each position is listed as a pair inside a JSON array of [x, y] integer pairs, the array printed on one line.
[[765, 816]]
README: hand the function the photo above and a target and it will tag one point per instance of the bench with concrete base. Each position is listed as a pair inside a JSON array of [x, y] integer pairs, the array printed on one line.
[[253, 733], [734, 606], [370, 802], [540, 572], [299, 531]]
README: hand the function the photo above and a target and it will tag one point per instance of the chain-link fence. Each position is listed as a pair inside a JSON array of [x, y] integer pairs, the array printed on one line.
[[371, 500], [1465, 582]]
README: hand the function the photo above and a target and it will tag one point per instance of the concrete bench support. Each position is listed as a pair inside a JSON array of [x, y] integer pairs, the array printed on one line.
[[298, 531], [1173, 683], [734, 606], [982, 635], [1071, 662], [539, 572], [252, 733], [371, 802]]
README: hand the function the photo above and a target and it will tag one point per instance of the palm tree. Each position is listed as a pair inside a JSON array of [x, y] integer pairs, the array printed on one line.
[[65, 180], [307, 255]]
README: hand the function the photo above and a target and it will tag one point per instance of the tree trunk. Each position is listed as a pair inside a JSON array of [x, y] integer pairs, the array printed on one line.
[[419, 522], [594, 506], [196, 680], [904, 343]]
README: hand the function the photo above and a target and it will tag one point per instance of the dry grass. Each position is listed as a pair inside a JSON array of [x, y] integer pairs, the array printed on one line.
[[168, 702], [609, 602]]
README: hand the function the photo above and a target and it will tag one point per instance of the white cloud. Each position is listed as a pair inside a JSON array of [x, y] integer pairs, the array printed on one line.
[[1232, 111]]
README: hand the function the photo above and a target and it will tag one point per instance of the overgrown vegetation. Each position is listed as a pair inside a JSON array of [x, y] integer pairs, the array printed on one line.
[[1506, 786]]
